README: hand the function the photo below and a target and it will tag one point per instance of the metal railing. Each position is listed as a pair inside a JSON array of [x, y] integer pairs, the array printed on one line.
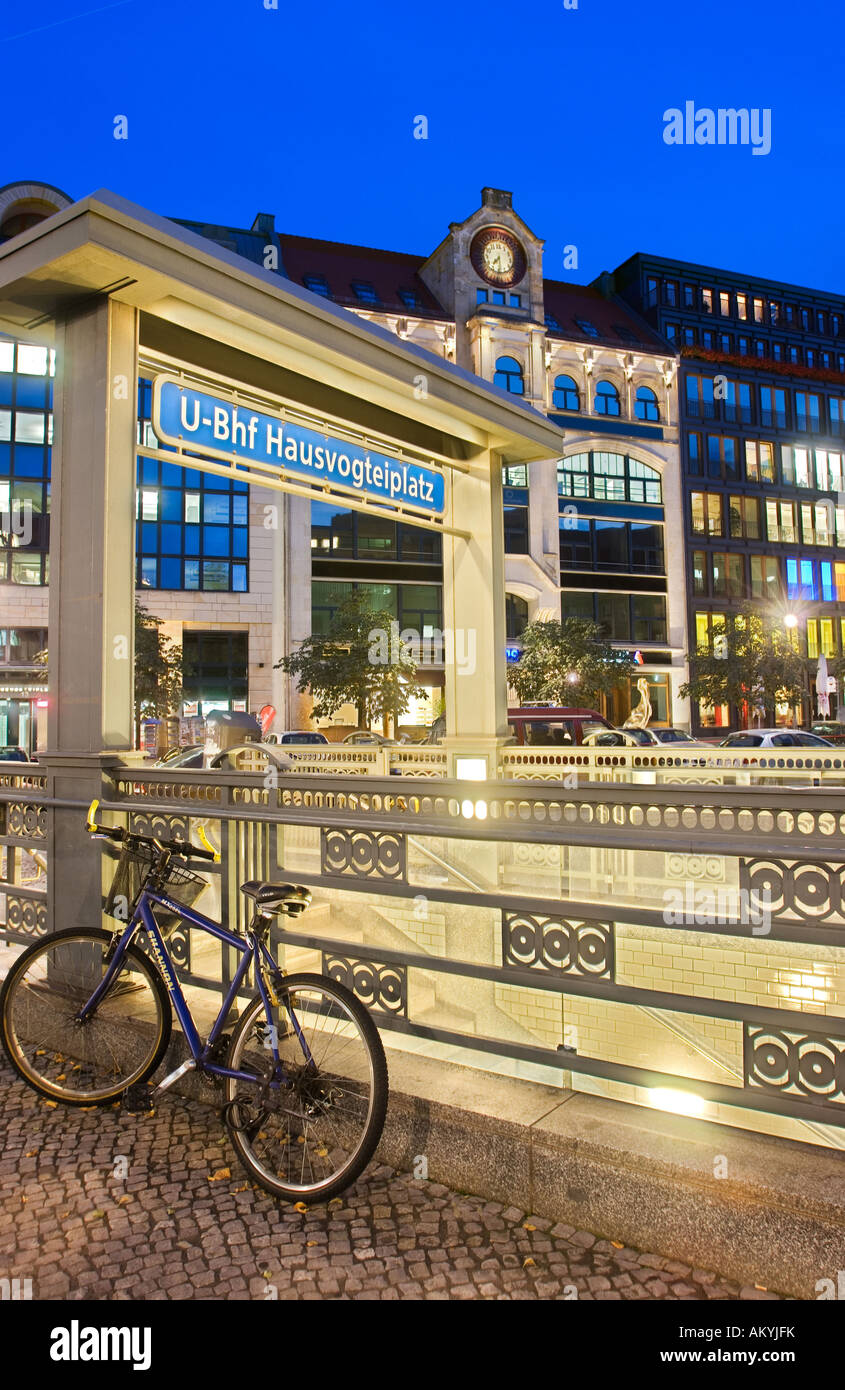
[[622, 938]]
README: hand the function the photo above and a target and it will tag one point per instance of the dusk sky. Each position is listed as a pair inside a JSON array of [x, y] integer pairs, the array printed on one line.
[[308, 111]]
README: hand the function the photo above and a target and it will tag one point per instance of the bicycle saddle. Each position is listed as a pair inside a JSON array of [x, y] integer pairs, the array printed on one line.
[[291, 898]]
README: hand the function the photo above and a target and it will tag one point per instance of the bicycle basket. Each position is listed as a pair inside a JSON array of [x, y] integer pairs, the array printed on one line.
[[133, 869]]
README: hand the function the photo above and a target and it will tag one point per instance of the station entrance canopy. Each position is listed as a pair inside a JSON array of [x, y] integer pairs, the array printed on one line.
[[264, 380]]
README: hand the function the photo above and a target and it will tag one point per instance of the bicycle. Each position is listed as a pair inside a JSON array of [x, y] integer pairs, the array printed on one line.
[[85, 1019]]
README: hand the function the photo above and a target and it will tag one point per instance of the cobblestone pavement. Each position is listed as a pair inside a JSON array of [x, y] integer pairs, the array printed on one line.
[[105, 1205]]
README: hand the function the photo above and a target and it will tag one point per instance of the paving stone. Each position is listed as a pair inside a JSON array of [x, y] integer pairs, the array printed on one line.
[[181, 1237]]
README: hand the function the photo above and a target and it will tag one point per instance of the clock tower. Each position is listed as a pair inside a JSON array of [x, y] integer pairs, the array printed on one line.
[[488, 273]]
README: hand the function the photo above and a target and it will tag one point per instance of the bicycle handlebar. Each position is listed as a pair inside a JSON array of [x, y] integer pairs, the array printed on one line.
[[122, 836]]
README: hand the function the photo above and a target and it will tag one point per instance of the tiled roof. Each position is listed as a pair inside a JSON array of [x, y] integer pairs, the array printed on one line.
[[615, 324], [340, 264]]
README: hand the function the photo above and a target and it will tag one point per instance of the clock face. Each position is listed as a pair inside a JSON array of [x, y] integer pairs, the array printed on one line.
[[497, 256]]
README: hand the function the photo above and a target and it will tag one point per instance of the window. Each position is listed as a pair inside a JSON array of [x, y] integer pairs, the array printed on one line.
[[509, 376], [689, 296], [671, 331], [565, 394], [759, 461], [742, 346], [723, 456], [498, 297], [606, 399], [744, 518], [728, 575], [516, 530], [706, 513], [587, 327], [700, 397], [758, 310], [317, 284], [553, 324], [481, 296], [515, 475], [707, 301], [646, 546], [670, 293], [724, 303], [774, 312], [648, 613], [690, 337], [805, 320], [609, 478], [765, 577], [645, 407], [807, 412], [629, 336], [364, 291], [839, 580], [801, 579], [795, 466], [515, 301], [773, 406], [516, 617], [651, 292], [411, 299], [694, 452], [780, 521], [706, 338], [32, 360], [699, 572], [736, 401]]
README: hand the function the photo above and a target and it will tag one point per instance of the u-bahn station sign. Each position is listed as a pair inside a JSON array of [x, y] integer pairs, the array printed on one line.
[[219, 427]]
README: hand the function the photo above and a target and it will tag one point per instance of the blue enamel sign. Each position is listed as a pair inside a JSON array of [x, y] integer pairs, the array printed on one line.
[[227, 430]]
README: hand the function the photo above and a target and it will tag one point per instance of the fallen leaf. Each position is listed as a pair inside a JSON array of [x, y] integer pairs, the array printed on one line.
[[322, 1153], [95, 1215], [528, 1227], [526, 1262], [51, 1104], [216, 1177], [310, 1242], [31, 1153], [617, 1245], [265, 1274], [299, 1206], [121, 1201], [336, 1202]]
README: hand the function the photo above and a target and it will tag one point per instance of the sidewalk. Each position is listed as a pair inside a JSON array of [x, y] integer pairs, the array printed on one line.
[[104, 1205]]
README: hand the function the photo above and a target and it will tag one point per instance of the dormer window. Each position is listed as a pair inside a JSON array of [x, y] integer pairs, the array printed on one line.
[[364, 291], [410, 299], [317, 284], [588, 327]]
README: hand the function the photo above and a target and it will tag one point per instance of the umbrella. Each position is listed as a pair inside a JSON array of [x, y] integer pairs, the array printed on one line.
[[822, 687]]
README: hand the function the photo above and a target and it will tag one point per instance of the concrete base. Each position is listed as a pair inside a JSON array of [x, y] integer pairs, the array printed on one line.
[[622, 1172]]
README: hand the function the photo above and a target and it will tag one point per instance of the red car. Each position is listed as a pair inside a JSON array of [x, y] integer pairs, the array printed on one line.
[[553, 726]]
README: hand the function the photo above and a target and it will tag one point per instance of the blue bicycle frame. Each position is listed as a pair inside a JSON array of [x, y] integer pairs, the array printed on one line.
[[252, 951]]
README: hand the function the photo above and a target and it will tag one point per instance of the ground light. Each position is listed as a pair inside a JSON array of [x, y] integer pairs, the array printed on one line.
[[677, 1102]]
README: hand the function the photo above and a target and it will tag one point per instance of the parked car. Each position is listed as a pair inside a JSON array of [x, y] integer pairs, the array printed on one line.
[[620, 738], [363, 737], [556, 726], [676, 736], [301, 736], [774, 738], [13, 754], [831, 729]]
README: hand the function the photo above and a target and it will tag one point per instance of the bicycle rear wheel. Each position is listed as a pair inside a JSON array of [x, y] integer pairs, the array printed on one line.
[[312, 1130], [91, 1062]]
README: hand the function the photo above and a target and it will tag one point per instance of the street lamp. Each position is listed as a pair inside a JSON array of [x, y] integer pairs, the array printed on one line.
[[790, 620]]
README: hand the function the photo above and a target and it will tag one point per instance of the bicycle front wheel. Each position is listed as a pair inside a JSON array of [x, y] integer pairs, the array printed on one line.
[[90, 1062], [306, 1129]]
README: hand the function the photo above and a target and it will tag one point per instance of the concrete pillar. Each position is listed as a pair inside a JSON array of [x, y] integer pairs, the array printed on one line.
[[474, 611], [92, 581]]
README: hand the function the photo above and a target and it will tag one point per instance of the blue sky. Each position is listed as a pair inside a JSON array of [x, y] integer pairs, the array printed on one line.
[[308, 110]]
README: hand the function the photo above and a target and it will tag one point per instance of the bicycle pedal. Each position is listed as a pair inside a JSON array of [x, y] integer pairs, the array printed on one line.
[[137, 1100]]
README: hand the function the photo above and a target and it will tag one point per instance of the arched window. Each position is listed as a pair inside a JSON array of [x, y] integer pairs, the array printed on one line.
[[607, 399], [645, 407], [565, 395], [516, 617], [509, 376]]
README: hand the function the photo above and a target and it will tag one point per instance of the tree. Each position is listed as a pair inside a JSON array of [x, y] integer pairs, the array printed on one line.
[[360, 661], [158, 669], [566, 662], [752, 663]]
